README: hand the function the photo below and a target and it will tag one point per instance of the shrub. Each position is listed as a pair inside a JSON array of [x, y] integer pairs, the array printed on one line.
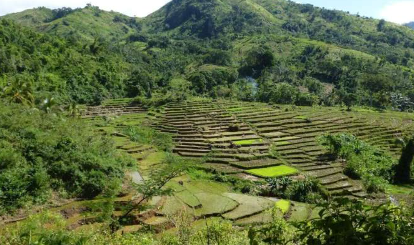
[[306, 190], [283, 93], [146, 135], [41, 153], [363, 161], [306, 99], [344, 221]]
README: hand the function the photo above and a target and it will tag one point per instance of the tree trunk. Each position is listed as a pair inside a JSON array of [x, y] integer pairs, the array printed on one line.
[[403, 169]]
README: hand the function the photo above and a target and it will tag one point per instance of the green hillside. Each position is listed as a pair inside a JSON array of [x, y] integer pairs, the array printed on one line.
[[35, 67], [411, 25], [211, 18], [318, 56], [207, 122], [85, 24]]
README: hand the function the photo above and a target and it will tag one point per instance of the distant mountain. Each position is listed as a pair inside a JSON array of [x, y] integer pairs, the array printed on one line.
[[86, 23], [214, 18], [411, 24]]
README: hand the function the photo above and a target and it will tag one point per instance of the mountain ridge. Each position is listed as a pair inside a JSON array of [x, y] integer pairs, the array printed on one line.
[[218, 46], [82, 23], [234, 18], [410, 24]]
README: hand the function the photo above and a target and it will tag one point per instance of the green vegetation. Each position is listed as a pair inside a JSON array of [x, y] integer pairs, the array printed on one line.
[[271, 172], [248, 142], [403, 169], [35, 67], [42, 153], [288, 58], [303, 190], [78, 24], [149, 136], [185, 70], [283, 205], [338, 222], [374, 166], [343, 221]]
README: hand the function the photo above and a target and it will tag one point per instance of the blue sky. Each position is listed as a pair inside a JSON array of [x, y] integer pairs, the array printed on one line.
[[398, 11]]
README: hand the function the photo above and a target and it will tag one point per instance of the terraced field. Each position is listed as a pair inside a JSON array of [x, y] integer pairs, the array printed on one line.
[[112, 108], [247, 140], [239, 149], [244, 139]]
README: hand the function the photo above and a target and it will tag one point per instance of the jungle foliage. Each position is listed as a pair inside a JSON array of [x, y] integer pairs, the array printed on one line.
[[374, 166], [258, 50], [43, 153], [338, 222]]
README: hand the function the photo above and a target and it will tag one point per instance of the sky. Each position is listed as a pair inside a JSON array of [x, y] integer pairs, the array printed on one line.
[[398, 11]]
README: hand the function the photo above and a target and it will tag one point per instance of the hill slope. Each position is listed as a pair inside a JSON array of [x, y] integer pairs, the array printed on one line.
[[250, 50], [211, 18], [87, 23], [43, 66]]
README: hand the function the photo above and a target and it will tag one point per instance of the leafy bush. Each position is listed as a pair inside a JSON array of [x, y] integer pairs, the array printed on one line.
[[306, 190], [41, 153], [146, 135], [306, 99], [178, 90], [351, 222], [363, 161]]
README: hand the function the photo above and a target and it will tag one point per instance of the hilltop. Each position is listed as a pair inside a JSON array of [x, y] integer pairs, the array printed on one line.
[[211, 18], [83, 23]]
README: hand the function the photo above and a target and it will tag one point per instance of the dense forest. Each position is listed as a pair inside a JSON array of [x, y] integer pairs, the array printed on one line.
[[226, 59], [248, 50]]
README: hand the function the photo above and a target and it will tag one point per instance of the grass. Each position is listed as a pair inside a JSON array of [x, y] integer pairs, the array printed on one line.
[[214, 204], [400, 189], [172, 206], [262, 218], [300, 212], [282, 143], [272, 172], [301, 117], [283, 205], [188, 198], [249, 205], [248, 142]]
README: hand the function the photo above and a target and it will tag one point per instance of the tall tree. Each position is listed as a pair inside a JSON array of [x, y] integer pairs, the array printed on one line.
[[403, 169]]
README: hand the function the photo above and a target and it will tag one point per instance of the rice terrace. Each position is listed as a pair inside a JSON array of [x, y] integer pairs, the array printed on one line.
[[206, 122], [248, 141]]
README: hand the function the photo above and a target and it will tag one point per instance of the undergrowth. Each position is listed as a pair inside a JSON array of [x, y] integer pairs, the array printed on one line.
[[41, 153], [149, 136], [302, 190], [363, 161]]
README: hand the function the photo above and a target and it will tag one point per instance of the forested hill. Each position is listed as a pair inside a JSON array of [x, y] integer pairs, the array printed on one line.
[[81, 24], [212, 18], [411, 25], [266, 50]]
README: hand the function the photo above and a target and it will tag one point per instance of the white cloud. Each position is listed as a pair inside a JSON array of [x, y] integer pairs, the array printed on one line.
[[399, 12], [129, 7]]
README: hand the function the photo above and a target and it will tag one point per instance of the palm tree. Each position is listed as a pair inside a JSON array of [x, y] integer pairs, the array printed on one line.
[[74, 110], [20, 91], [48, 105]]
